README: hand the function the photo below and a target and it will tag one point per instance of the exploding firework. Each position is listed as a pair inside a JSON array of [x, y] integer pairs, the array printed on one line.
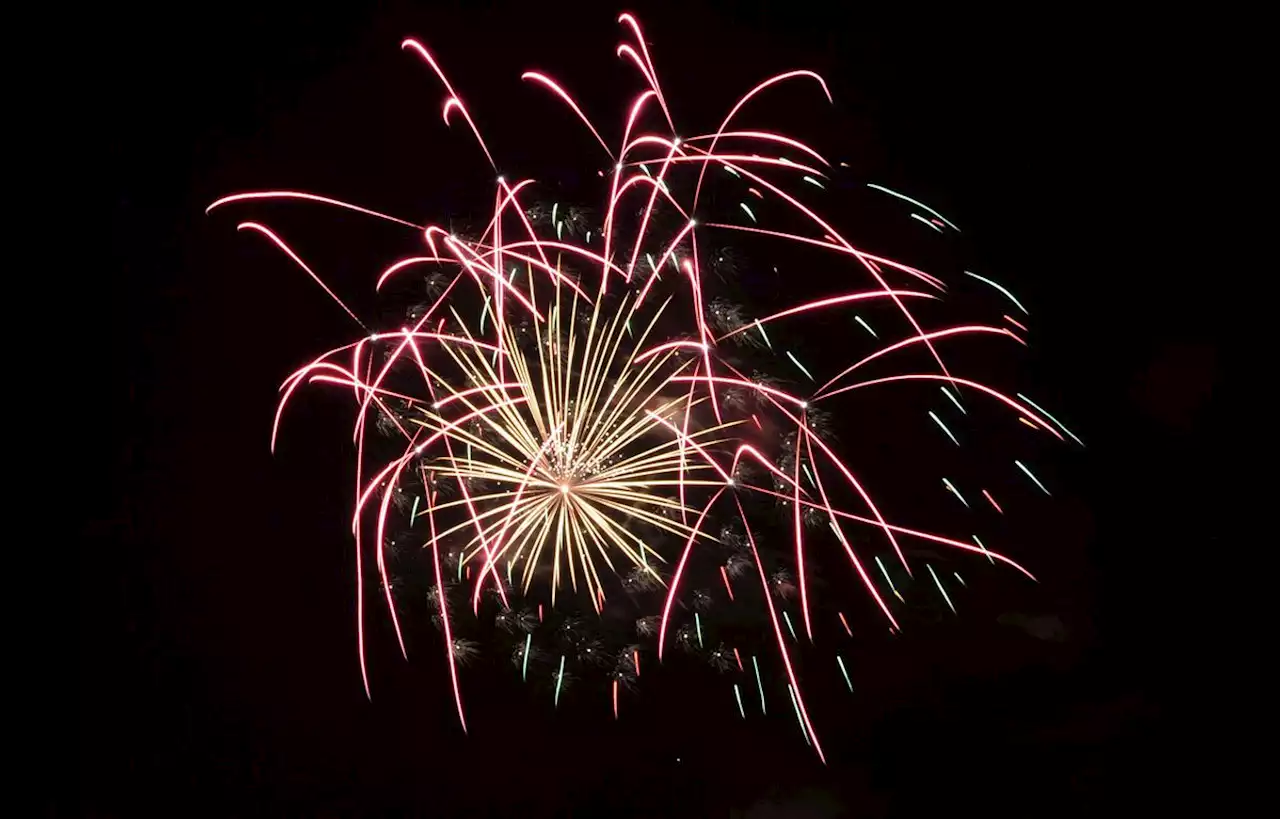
[[596, 449]]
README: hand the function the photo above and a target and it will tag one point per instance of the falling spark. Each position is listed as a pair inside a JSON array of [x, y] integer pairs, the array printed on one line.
[[866, 326], [615, 699], [759, 684], [799, 718], [961, 579], [738, 657], [1046, 414], [954, 400], [790, 627], [1010, 296], [559, 681], [727, 586], [938, 421], [763, 334], [955, 492], [1030, 475], [944, 591], [845, 623], [813, 181], [926, 221], [737, 695], [524, 665], [844, 671], [887, 577], [992, 501], [922, 205], [798, 364], [1015, 322], [983, 549], [697, 622], [743, 205]]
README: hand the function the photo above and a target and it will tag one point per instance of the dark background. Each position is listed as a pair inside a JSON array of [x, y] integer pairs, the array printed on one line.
[[218, 672]]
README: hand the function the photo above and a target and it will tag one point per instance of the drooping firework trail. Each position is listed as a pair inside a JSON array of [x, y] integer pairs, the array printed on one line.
[[597, 452]]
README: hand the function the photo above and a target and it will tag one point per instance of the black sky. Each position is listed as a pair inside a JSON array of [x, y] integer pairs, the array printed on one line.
[[218, 672]]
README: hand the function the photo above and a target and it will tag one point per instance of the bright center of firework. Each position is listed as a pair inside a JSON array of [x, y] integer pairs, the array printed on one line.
[[575, 455]]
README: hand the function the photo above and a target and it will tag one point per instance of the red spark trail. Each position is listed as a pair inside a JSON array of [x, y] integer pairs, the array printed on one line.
[[244, 197], [675, 579], [857, 564], [454, 100], [564, 95], [799, 533], [738, 107], [951, 331], [777, 630], [828, 302], [265, 231]]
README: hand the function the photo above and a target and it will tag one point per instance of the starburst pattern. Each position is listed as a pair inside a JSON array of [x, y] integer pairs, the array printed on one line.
[[578, 417]]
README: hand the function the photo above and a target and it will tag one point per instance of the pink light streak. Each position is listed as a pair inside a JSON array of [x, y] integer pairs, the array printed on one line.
[[675, 578], [777, 631], [309, 197], [265, 231], [454, 100], [828, 302], [546, 81]]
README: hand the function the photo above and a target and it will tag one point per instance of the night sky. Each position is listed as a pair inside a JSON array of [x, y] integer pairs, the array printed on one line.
[[218, 670]]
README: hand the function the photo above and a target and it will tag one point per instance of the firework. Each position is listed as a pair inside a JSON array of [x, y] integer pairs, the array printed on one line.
[[590, 442]]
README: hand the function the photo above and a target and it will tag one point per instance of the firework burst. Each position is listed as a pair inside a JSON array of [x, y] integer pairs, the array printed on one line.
[[592, 444]]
